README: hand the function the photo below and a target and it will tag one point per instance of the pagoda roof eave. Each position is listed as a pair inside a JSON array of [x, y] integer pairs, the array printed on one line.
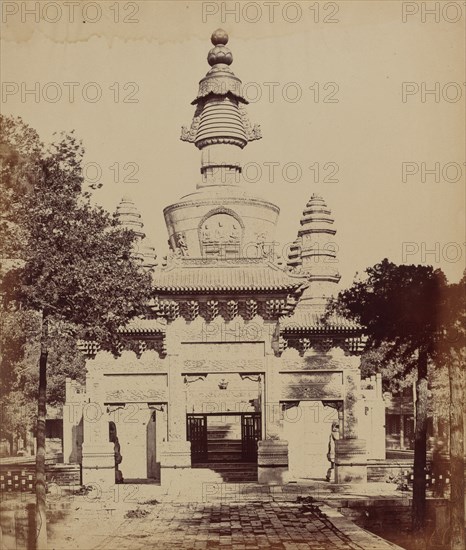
[[311, 322], [144, 326], [229, 93], [202, 276]]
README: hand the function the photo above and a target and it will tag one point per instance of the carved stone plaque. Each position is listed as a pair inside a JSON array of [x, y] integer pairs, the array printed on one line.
[[312, 386], [224, 365], [241, 350], [136, 388]]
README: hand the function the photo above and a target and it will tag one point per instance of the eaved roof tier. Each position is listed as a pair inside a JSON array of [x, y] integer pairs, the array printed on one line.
[[141, 325], [220, 276], [303, 321]]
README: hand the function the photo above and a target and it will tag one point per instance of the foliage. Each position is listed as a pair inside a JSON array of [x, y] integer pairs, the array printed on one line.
[[394, 379], [18, 415], [69, 260], [403, 309], [399, 479], [77, 260], [412, 318], [20, 150]]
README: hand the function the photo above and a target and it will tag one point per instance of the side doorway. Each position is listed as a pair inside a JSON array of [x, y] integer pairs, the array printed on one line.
[[196, 426], [153, 467], [251, 433]]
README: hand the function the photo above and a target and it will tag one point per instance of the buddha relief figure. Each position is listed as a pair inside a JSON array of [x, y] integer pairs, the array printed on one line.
[[205, 233], [220, 235], [234, 234], [181, 245], [220, 228], [260, 242]]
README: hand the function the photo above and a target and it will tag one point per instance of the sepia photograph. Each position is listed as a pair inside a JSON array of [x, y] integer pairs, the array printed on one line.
[[233, 275]]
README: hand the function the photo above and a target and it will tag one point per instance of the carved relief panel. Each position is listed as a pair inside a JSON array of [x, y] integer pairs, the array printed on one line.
[[328, 385], [220, 235], [136, 388]]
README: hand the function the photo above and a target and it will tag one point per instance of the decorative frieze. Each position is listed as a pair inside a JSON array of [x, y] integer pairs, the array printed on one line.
[[192, 310], [120, 346], [316, 343], [139, 345], [355, 345], [246, 308], [323, 345], [223, 365], [282, 344], [89, 348], [163, 348], [127, 362], [212, 310], [142, 347], [302, 345], [231, 309], [250, 309], [169, 309], [274, 308]]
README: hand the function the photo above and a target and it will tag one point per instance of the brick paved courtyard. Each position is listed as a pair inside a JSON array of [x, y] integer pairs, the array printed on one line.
[[264, 523], [252, 525]]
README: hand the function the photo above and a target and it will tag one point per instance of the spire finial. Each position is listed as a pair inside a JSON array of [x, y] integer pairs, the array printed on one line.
[[219, 37], [220, 127], [219, 53]]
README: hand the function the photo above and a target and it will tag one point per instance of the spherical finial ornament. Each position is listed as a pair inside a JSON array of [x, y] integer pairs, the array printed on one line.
[[219, 37]]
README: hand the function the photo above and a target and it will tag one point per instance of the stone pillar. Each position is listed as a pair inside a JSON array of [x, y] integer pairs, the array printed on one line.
[[272, 451], [72, 417], [98, 453], [68, 423], [350, 451], [350, 461], [272, 461], [176, 452]]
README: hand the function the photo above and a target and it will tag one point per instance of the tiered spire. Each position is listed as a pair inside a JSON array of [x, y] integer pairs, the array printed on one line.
[[313, 254], [130, 218], [220, 127]]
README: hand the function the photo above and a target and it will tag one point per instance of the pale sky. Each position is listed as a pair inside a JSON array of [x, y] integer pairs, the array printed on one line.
[[357, 53]]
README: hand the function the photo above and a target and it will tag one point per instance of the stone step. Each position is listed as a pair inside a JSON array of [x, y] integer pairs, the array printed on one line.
[[239, 472], [221, 429], [239, 477], [220, 446], [224, 444], [220, 425], [220, 458], [230, 466]]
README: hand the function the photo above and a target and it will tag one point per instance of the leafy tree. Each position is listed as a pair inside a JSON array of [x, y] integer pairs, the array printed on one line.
[[451, 353], [403, 309], [18, 415], [19, 328], [76, 264], [394, 377], [396, 380], [19, 349]]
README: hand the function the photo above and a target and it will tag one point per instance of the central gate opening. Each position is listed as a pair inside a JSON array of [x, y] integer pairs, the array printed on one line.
[[225, 443]]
